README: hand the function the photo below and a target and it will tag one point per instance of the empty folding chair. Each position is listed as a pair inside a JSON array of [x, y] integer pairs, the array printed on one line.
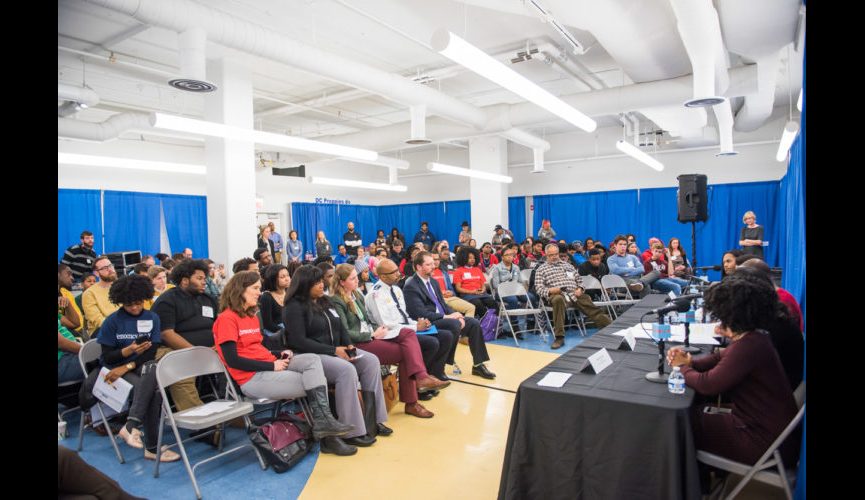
[[192, 362], [514, 289], [90, 352]]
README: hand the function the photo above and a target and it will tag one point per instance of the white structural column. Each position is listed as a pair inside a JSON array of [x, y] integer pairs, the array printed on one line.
[[489, 199], [230, 165]]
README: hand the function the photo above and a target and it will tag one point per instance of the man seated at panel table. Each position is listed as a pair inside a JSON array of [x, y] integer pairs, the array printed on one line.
[[558, 283]]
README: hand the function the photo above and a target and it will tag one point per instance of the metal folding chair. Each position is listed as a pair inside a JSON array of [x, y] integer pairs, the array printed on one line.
[[577, 320], [592, 283], [90, 352], [615, 283], [192, 362], [514, 289], [769, 469]]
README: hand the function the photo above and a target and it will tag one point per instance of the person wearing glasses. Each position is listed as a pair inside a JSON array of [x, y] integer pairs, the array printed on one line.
[[94, 301]]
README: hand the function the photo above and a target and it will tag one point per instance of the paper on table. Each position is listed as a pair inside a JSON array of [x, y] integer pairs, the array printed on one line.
[[554, 379], [638, 332], [209, 409]]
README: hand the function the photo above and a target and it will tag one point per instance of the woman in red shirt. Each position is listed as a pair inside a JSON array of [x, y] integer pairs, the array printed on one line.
[[469, 280], [261, 373]]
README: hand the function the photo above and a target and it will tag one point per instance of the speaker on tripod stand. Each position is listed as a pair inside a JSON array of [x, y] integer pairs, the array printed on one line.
[[693, 205]]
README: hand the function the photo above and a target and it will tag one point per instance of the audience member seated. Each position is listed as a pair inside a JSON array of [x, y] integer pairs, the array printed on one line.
[[445, 280], [380, 238], [748, 371], [275, 283], [397, 253], [500, 235], [504, 272], [341, 255], [88, 281], [72, 317], [728, 262], [263, 257], [400, 346], [327, 270], [664, 283], [629, 268], [633, 249], [473, 243], [395, 235], [596, 268], [424, 235], [469, 281], [68, 367], [678, 259], [130, 338], [140, 268], [95, 302], [446, 259], [244, 264], [365, 281], [406, 268], [159, 277], [590, 243], [575, 251], [168, 264], [261, 373], [313, 326], [558, 283], [425, 300], [215, 279], [526, 257], [485, 259]]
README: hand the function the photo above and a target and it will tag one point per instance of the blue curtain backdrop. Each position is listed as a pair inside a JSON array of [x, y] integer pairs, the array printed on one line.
[[186, 223], [455, 213], [132, 222], [517, 217], [78, 210]]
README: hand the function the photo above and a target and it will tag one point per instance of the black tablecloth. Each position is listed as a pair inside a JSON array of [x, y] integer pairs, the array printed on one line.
[[611, 435]]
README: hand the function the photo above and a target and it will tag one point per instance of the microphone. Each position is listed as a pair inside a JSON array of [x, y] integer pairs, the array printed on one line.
[[684, 298], [675, 306], [708, 268]]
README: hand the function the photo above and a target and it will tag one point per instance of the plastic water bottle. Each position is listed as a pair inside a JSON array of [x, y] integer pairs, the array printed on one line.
[[676, 382], [308, 256]]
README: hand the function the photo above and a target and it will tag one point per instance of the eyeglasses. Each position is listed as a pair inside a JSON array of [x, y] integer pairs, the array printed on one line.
[[103, 268]]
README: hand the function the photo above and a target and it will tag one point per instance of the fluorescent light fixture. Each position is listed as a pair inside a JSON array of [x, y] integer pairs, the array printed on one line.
[[201, 127], [466, 172], [466, 54], [799, 101], [113, 162], [330, 181], [790, 131], [383, 161], [635, 153]]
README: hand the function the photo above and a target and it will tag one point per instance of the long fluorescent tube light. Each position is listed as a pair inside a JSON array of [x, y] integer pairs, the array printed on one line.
[[799, 101], [330, 181], [635, 153], [113, 162], [790, 131], [466, 54], [201, 127], [384, 161], [450, 169]]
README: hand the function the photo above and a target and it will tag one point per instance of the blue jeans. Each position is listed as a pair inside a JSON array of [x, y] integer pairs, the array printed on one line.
[[667, 285], [68, 368]]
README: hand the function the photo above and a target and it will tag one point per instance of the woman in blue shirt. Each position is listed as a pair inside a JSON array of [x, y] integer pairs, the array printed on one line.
[[294, 247]]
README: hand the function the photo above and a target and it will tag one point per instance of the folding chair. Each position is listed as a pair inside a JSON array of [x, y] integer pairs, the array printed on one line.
[[514, 289], [525, 276], [192, 362], [592, 283], [771, 459], [90, 352], [578, 318], [615, 282]]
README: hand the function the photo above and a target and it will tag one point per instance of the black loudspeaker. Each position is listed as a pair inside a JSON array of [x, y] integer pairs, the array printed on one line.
[[298, 171], [692, 198]]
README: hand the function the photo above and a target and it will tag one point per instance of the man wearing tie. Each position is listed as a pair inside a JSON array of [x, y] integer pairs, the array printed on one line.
[[386, 306], [424, 300]]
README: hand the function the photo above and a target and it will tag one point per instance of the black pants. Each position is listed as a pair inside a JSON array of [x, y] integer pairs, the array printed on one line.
[[472, 330], [78, 479], [146, 402], [435, 350]]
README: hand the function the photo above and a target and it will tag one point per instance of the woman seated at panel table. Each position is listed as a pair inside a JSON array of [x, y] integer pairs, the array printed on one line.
[[404, 349], [748, 372]]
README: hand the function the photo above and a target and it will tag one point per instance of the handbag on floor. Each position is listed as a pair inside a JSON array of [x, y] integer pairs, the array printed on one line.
[[489, 323], [282, 441], [390, 387]]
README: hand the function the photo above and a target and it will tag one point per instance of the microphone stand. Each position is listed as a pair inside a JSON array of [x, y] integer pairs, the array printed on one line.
[[659, 377]]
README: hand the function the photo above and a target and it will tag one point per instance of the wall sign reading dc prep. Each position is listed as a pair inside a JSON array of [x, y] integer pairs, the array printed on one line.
[[328, 201]]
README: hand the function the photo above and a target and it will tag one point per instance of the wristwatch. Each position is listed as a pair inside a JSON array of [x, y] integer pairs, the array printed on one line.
[[130, 366]]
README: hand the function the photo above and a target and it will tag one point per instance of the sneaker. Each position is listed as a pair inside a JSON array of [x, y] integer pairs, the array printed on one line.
[[636, 287], [132, 438], [167, 455]]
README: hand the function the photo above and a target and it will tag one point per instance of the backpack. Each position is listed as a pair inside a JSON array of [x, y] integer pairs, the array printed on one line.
[[489, 323], [282, 441]]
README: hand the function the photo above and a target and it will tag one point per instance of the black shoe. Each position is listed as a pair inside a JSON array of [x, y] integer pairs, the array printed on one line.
[[384, 430], [337, 446], [440, 376], [362, 441], [425, 396], [482, 371], [211, 439]]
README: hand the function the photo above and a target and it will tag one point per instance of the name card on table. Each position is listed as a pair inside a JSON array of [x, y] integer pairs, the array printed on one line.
[[597, 362], [628, 341], [661, 332]]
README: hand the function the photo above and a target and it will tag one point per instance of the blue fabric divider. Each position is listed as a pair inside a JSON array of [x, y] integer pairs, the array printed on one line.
[[517, 217], [132, 222], [78, 210], [186, 223], [455, 213]]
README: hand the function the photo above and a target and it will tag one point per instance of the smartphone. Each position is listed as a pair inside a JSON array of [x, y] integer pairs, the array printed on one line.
[[714, 410], [142, 338]]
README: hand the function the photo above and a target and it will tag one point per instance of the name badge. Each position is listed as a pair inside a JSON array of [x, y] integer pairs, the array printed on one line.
[[145, 325], [597, 362], [467, 276], [333, 312], [630, 264], [207, 311], [628, 341]]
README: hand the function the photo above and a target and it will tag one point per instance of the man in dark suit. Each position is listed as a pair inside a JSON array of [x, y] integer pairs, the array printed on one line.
[[423, 299]]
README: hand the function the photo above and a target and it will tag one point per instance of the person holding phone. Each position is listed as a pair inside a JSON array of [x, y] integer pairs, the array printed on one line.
[[129, 338], [262, 373], [312, 325]]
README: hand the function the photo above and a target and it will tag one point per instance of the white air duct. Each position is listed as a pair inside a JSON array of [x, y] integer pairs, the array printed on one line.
[[699, 28], [76, 98], [193, 62], [538, 158], [418, 125], [105, 131], [724, 115]]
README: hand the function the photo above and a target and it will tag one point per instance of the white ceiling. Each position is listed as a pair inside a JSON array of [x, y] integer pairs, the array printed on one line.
[[395, 42]]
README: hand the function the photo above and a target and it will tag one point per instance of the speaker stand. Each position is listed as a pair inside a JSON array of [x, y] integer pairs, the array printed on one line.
[[693, 245]]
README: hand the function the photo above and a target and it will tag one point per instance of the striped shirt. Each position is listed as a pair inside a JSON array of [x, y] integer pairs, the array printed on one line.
[[80, 261], [561, 274]]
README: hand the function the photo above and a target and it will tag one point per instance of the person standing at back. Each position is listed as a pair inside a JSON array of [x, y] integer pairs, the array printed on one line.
[[751, 238], [276, 239], [80, 257], [352, 240]]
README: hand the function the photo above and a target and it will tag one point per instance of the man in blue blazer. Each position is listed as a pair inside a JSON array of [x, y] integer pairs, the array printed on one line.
[[423, 299]]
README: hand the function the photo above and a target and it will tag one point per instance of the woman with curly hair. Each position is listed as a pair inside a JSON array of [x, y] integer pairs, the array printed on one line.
[[129, 339], [469, 280], [748, 371]]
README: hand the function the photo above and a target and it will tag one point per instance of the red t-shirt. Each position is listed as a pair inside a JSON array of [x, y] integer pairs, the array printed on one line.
[[470, 278], [788, 300], [246, 332], [440, 277]]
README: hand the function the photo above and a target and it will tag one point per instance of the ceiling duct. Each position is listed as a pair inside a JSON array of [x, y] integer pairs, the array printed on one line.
[[193, 62], [698, 25], [74, 99]]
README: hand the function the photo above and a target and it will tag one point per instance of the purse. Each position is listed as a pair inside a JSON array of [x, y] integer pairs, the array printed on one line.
[[282, 441], [390, 386]]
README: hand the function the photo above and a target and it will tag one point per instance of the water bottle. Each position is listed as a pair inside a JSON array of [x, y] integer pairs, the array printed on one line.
[[676, 382], [308, 257], [457, 370]]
